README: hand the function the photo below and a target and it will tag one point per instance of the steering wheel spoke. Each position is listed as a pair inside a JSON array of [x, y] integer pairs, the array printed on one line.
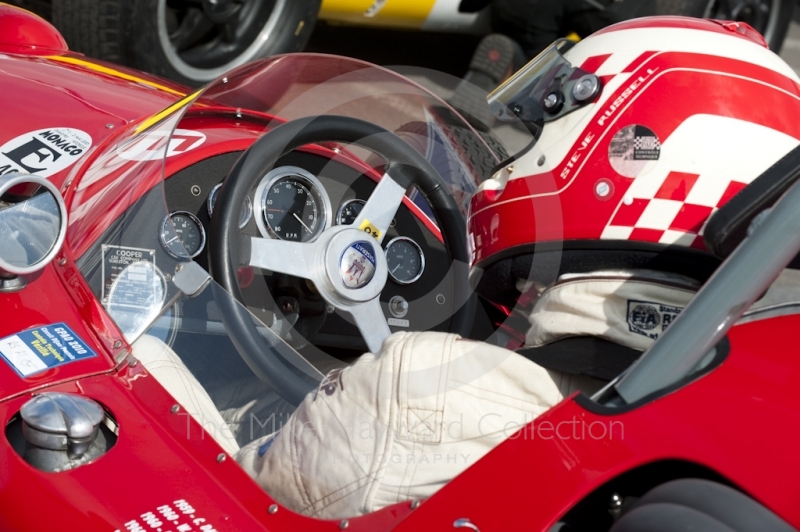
[[292, 258], [380, 208], [371, 323], [347, 269]]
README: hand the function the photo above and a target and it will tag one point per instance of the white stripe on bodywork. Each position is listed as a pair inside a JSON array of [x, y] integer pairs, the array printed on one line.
[[445, 17]]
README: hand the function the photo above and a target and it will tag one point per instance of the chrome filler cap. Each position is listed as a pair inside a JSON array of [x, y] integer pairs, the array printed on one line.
[[61, 422]]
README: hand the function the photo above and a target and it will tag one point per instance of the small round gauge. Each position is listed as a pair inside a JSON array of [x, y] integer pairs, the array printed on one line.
[[349, 211], [405, 260], [293, 209], [244, 215], [182, 235]]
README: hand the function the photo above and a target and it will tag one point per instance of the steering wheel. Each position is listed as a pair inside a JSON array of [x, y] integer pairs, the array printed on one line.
[[346, 262]]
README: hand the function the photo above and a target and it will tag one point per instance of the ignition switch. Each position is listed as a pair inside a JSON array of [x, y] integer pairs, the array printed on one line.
[[398, 306]]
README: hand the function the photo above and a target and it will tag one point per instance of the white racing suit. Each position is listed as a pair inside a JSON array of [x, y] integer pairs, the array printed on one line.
[[397, 425], [400, 423]]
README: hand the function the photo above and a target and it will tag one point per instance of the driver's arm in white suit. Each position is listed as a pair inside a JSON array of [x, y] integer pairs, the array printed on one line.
[[399, 424]]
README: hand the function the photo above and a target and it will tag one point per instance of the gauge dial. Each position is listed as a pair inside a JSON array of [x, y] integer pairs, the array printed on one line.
[[405, 260], [293, 209], [182, 235], [349, 211], [244, 215]]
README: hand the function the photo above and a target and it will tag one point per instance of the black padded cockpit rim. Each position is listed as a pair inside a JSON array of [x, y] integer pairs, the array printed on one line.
[[544, 262], [728, 226]]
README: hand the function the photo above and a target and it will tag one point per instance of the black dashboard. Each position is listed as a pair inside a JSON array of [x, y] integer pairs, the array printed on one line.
[[417, 296]]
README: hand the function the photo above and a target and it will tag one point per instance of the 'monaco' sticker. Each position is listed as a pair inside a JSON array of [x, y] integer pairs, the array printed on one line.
[[44, 152]]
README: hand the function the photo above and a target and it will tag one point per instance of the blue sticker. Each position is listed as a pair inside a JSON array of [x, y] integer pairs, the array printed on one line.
[[41, 348], [264, 447]]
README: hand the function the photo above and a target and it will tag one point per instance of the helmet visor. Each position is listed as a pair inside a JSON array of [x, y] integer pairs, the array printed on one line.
[[545, 89]]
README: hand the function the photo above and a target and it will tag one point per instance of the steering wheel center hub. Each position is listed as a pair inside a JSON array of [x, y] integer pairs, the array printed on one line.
[[355, 266]]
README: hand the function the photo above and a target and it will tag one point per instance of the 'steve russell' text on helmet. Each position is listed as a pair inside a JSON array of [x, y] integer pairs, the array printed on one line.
[[644, 130]]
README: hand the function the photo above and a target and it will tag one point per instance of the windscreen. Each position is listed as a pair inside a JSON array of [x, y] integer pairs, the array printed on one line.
[[141, 230]]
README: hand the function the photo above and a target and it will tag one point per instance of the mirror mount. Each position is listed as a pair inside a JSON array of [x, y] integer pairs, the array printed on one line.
[[11, 283], [33, 225]]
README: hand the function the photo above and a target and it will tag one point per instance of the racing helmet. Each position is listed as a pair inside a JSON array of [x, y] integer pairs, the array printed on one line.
[[643, 130]]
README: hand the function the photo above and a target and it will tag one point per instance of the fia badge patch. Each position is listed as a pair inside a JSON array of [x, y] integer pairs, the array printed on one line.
[[650, 319], [41, 348], [633, 150], [44, 152]]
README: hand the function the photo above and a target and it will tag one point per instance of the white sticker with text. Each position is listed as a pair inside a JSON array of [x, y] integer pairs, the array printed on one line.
[[180, 516], [44, 152]]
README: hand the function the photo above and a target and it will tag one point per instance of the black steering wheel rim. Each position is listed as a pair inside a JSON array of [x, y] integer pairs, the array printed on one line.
[[405, 165]]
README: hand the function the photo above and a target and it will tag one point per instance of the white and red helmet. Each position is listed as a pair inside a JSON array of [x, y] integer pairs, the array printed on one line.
[[644, 130]]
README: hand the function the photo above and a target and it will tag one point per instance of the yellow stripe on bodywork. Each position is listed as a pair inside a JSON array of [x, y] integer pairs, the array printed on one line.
[[187, 99], [111, 72], [394, 13], [20, 8], [180, 104]]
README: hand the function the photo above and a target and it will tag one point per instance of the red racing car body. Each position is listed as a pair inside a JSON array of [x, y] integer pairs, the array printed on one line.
[[734, 422]]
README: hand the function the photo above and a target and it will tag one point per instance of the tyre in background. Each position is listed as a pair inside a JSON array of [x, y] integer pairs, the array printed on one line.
[[190, 41], [771, 18], [698, 504]]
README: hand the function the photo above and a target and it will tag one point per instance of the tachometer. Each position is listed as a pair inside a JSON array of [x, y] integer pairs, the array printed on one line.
[[292, 205], [405, 260], [182, 235]]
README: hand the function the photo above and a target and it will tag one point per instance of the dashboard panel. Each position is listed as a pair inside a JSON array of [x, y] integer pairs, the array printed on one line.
[[304, 194]]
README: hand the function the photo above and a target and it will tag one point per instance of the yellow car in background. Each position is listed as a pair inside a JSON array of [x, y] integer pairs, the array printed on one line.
[[195, 41], [426, 15], [770, 17]]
